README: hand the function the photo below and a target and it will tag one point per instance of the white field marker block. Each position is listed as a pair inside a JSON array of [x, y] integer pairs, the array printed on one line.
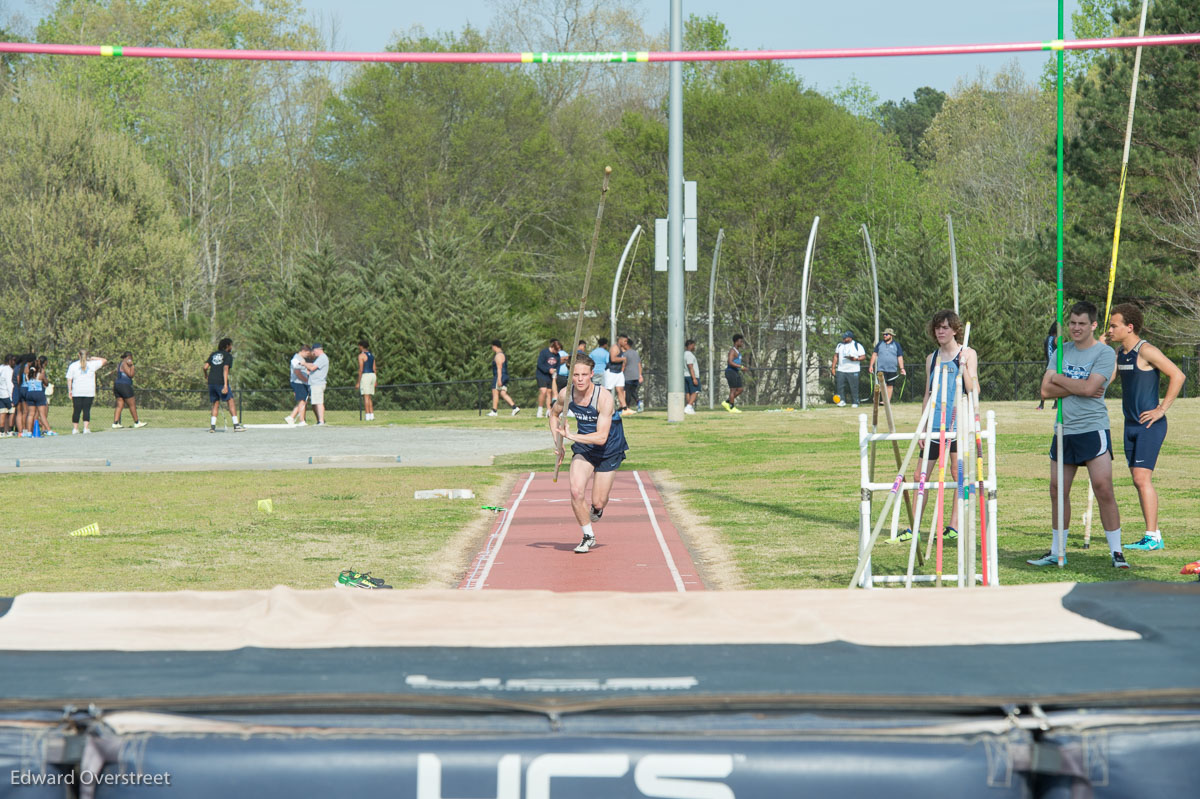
[[445, 493]]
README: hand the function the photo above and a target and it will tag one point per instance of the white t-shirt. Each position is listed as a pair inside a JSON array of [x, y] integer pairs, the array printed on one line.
[[847, 351], [298, 366], [6, 386], [689, 359], [83, 379]]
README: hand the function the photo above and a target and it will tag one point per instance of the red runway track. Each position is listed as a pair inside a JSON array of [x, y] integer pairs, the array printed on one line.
[[532, 543]]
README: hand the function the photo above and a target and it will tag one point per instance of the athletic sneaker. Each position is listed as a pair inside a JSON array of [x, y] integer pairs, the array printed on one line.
[[539, 412], [854, 405], [735, 409], [1049, 559], [349, 578], [587, 543], [842, 404], [516, 410], [628, 412], [212, 429], [950, 534], [688, 409], [139, 424], [51, 433], [117, 426], [597, 513], [1119, 561], [87, 431], [1147, 544], [492, 413], [301, 423], [289, 421], [74, 431], [239, 428], [905, 536], [727, 406]]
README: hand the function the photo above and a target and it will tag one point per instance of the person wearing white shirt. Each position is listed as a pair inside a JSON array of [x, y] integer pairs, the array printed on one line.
[[6, 396], [847, 364], [81, 387]]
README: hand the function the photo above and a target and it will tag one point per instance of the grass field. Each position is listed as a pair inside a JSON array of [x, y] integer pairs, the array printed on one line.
[[779, 488]]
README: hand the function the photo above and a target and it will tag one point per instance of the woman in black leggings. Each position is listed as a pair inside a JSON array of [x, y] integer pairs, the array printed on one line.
[[81, 385]]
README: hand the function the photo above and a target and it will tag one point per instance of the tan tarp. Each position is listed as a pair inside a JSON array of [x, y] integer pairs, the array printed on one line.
[[289, 619]]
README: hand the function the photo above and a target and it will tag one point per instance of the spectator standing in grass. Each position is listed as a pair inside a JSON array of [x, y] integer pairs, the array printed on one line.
[[547, 368], [298, 379], [1050, 345], [888, 358], [366, 380], [691, 376], [847, 368], [599, 358], [81, 388], [316, 381], [561, 374], [633, 374], [123, 391], [1141, 365], [7, 411], [500, 380], [20, 385], [216, 372], [37, 399], [614, 374], [733, 374]]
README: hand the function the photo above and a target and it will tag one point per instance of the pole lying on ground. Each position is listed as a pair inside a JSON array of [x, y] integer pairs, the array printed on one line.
[[864, 553]]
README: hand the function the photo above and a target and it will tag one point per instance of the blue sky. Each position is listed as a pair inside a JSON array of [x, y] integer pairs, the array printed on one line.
[[370, 25]]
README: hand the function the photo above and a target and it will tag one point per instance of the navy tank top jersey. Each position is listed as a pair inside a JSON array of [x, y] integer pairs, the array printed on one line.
[[122, 378], [615, 368], [952, 367], [585, 424], [369, 364], [503, 372], [1139, 387]]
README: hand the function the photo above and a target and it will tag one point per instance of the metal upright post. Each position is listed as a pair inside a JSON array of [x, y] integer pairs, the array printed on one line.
[[712, 283], [675, 296]]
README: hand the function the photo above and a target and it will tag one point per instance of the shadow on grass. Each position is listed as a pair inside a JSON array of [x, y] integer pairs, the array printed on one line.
[[792, 511]]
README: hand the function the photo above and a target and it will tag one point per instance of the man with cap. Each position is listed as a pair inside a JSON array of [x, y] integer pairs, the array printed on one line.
[[316, 381], [847, 364], [888, 358]]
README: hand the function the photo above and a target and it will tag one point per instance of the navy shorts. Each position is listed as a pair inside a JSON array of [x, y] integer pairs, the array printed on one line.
[[123, 390], [935, 447], [734, 378], [301, 391], [602, 464], [6, 403], [1079, 448], [215, 394], [1143, 443], [690, 386], [36, 398], [543, 379]]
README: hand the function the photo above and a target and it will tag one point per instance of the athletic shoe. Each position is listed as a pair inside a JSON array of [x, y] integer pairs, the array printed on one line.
[[239, 428], [352, 579], [516, 410], [905, 536], [117, 426], [735, 409], [597, 513], [1119, 561], [688, 409], [492, 413], [628, 412], [87, 431], [842, 404], [950, 534], [289, 421], [74, 431], [854, 405], [212, 429], [140, 424], [727, 406], [1147, 544], [321, 424], [1049, 559], [50, 433], [301, 423], [587, 543]]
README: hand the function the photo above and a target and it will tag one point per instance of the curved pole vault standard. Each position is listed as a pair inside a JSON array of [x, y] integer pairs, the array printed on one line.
[[808, 252], [612, 324], [613, 57]]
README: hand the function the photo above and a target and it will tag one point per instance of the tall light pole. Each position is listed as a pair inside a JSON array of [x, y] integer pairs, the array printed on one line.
[[675, 303]]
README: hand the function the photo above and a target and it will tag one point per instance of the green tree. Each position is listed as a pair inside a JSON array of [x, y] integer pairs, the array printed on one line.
[[909, 119], [88, 238]]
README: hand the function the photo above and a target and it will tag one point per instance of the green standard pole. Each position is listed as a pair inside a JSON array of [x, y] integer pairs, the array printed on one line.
[[1059, 355]]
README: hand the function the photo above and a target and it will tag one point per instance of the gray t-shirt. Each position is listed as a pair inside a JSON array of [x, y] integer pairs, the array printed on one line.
[[632, 363], [889, 356], [318, 375], [1086, 414], [689, 359]]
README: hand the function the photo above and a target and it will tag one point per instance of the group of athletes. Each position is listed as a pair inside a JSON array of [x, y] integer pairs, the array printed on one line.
[[26, 388], [1089, 364]]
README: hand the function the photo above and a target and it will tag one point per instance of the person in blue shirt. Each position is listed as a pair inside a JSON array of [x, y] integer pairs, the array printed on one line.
[[598, 445], [599, 358], [547, 369], [888, 358], [1140, 365]]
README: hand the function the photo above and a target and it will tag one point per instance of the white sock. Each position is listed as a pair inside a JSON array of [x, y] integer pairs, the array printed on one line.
[[235, 420], [587, 530], [1114, 539], [1058, 541], [212, 421], [1155, 534]]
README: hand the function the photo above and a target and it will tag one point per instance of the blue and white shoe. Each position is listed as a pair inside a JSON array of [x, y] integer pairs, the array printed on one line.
[[1147, 544], [1049, 559]]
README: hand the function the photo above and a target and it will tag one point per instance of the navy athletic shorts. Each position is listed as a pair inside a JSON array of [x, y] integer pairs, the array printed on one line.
[[1079, 448], [608, 464], [215, 394], [734, 378], [690, 386], [1143, 443], [544, 379], [301, 391]]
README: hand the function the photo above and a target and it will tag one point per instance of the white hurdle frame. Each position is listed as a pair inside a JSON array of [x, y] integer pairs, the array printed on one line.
[[866, 488]]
